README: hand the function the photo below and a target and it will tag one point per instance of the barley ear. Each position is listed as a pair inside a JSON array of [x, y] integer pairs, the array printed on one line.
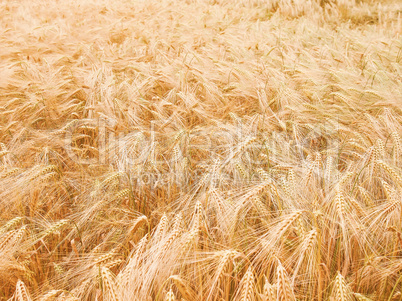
[[284, 289], [247, 292], [21, 292], [109, 285]]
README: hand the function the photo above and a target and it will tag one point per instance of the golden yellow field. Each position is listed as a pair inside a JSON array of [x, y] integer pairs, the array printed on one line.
[[201, 150]]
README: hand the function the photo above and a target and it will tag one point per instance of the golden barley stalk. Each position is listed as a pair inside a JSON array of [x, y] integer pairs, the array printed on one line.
[[105, 257], [284, 289], [170, 296], [184, 287], [11, 223], [361, 297], [247, 292], [50, 295], [269, 291], [392, 172], [21, 292], [340, 291], [161, 228], [109, 285]]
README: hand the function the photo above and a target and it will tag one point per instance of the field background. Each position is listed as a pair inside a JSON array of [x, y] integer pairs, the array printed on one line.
[[200, 150]]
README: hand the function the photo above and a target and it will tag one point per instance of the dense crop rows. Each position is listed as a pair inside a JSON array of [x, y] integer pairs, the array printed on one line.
[[200, 150]]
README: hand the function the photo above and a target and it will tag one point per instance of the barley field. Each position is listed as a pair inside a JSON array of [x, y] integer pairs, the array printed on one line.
[[201, 150]]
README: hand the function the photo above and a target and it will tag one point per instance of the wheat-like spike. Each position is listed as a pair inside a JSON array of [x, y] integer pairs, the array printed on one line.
[[376, 158], [260, 207], [392, 172], [21, 292], [361, 297], [374, 93], [263, 174], [58, 269], [292, 182], [170, 296], [286, 187], [11, 223], [190, 239], [178, 221], [81, 290], [9, 172], [313, 166], [177, 154], [307, 246], [284, 289], [238, 266], [247, 142], [397, 147], [389, 192], [161, 228], [69, 125], [356, 155], [287, 222], [258, 189], [113, 178], [340, 204], [50, 295], [247, 292], [113, 263], [344, 179], [185, 163], [358, 146], [360, 211], [309, 159], [269, 292], [178, 135], [55, 227], [390, 207], [328, 167], [381, 148], [342, 97], [3, 147], [234, 117], [109, 285], [224, 260], [310, 106], [198, 211], [45, 170], [141, 246], [242, 146], [340, 290], [241, 170], [300, 228], [3, 153], [10, 238], [172, 237], [281, 167], [96, 249], [138, 222], [122, 194], [105, 257], [371, 155], [366, 197], [318, 159], [309, 241], [52, 176], [123, 278], [184, 287]]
